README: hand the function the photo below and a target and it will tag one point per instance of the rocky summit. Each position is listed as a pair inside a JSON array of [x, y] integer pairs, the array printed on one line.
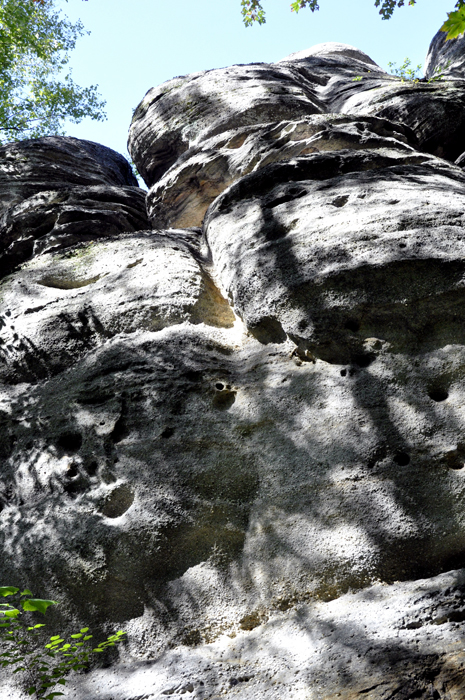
[[232, 409]]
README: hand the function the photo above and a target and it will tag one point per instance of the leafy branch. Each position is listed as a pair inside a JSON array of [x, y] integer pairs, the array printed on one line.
[[45, 666], [252, 11]]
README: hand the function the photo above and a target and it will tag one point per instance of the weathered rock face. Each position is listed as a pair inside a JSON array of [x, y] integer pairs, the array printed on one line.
[[212, 430], [36, 165], [183, 194]]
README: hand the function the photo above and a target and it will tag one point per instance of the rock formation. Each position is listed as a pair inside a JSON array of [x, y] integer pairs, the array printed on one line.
[[232, 421]]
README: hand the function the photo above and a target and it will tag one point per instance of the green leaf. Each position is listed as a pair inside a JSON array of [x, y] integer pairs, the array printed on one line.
[[26, 592], [455, 24], [57, 636], [37, 604], [89, 636], [11, 613], [31, 690], [8, 590], [84, 629], [76, 636], [52, 695]]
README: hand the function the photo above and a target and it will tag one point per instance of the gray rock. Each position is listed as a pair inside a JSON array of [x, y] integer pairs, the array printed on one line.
[[61, 305], [434, 111], [348, 82], [398, 641], [195, 484], [35, 165], [182, 111], [182, 196], [290, 240], [445, 57], [55, 219], [209, 438]]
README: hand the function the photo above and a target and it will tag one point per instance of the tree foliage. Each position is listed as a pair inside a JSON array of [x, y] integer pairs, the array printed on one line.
[[44, 667], [37, 92], [252, 11]]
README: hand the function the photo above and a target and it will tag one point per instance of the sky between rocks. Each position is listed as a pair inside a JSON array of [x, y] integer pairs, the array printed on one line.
[[137, 44]]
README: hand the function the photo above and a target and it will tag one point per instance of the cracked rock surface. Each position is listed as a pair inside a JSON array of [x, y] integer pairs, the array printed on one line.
[[232, 411]]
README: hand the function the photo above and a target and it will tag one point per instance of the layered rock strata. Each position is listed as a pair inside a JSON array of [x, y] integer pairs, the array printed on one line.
[[237, 431]]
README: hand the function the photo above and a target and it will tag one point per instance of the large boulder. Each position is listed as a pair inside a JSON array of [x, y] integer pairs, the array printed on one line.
[[54, 219], [289, 241], [182, 111], [182, 196], [61, 305], [32, 166]]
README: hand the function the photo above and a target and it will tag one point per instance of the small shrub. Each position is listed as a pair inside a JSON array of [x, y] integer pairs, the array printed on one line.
[[44, 666], [405, 72]]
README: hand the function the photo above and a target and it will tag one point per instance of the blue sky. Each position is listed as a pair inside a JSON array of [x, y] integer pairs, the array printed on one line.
[[136, 44]]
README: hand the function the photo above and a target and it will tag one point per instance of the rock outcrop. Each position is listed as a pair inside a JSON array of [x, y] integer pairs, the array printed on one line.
[[233, 423]]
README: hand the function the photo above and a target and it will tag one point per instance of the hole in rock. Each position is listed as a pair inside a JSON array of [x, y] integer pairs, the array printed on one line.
[[343, 372], [363, 359], [92, 468], [402, 459], [352, 325], [219, 386], [63, 283], [455, 459], [133, 264], [72, 471], [117, 502], [167, 433], [402, 245], [74, 487], [438, 394], [224, 400], [340, 201], [120, 430], [268, 330], [70, 442]]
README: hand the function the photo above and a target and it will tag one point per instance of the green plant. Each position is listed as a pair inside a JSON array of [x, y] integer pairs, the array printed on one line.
[[37, 92], [438, 73], [45, 666], [405, 72], [252, 11]]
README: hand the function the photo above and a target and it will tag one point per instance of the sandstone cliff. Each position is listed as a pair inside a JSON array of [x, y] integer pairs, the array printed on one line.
[[232, 412]]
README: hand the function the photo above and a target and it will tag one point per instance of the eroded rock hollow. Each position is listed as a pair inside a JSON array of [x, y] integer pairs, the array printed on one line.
[[232, 411]]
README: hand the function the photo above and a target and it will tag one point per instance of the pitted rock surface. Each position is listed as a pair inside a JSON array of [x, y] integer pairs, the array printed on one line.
[[238, 436], [304, 233]]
